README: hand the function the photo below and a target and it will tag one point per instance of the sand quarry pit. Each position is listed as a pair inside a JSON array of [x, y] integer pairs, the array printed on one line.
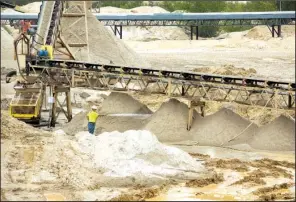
[[154, 157]]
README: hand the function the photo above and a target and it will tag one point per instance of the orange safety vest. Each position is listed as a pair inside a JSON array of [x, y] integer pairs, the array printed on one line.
[[26, 26]]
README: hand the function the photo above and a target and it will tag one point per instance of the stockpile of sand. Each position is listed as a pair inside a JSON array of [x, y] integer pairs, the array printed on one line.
[[169, 122], [123, 103], [32, 7], [7, 50], [227, 69], [221, 127], [13, 128], [116, 159], [263, 33], [279, 135], [115, 103], [101, 45]]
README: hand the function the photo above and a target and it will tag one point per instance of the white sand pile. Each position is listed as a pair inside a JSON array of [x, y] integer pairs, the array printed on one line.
[[169, 122], [115, 103], [117, 159], [263, 33], [7, 90], [227, 69], [219, 128], [7, 50], [102, 46], [279, 135], [123, 103], [32, 7], [148, 33]]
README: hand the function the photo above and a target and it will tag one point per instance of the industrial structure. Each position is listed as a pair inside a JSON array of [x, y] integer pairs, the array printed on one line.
[[62, 74], [273, 20]]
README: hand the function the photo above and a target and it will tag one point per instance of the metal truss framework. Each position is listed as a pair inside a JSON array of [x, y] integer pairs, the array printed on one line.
[[208, 90], [230, 22]]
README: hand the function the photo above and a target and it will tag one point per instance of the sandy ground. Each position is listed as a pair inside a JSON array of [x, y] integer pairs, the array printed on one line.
[[188, 55], [241, 175]]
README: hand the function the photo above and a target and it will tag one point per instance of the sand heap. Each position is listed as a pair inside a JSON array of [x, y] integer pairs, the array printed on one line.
[[32, 7], [219, 128], [7, 50], [227, 69], [117, 159], [115, 103], [123, 103], [169, 122], [101, 45], [263, 33], [279, 135]]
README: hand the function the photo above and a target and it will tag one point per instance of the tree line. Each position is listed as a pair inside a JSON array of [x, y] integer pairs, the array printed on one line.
[[197, 7]]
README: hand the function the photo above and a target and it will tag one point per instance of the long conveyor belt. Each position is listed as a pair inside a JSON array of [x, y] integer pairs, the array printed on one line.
[[244, 90], [48, 24]]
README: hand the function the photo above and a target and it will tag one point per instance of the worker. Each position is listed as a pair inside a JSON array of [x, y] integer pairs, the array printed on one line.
[[92, 118], [27, 26]]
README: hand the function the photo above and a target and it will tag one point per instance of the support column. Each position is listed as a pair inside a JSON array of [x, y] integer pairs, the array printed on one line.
[[191, 32], [279, 32], [69, 107], [272, 30], [120, 31], [196, 32], [190, 115], [289, 101], [54, 108], [183, 90]]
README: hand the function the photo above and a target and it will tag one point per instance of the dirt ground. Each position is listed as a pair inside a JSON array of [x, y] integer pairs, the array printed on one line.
[[240, 173]]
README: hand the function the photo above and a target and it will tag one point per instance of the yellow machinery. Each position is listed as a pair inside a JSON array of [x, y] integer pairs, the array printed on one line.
[[27, 102]]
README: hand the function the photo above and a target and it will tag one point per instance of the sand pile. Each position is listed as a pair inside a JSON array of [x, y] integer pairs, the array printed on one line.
[[101, 45], [32, 7], [115, 103], [12, 128], [227, 69], [279, 135], [169, 122], [7, 50], [219, 128], [263, 33], [117, 159], [123, 103]]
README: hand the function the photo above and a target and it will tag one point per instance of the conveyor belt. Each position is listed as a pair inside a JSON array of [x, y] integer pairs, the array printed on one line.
[[189, 76]]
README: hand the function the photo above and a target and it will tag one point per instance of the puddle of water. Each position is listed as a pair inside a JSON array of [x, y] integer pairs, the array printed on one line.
[[54, 197]]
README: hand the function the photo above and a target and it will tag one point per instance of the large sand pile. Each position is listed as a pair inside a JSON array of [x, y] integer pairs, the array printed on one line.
[[278, 135], [102, 46], [117, 103], [32, 7], [52, 162], [7, 50], [117, 159], [263, 33], [169, 122], [227, 70], [221, 127]]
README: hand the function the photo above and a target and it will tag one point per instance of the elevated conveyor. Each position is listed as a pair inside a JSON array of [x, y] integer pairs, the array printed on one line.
[[226, 88]]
